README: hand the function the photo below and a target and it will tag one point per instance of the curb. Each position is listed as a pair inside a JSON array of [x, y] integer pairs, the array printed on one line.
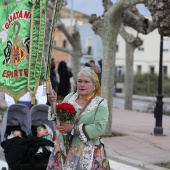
[[144, 98], [135, 163]]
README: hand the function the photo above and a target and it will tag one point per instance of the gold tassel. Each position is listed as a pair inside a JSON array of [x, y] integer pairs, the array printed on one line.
[[33, 99], [36, 87], [48, 85]]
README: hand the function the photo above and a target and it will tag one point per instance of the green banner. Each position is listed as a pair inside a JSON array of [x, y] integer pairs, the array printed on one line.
[[14, 47], [22, 32], [36, 70]]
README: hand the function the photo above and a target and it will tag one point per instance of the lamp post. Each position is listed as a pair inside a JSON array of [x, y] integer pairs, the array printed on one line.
[[158, 130], [71, 16], [71, 30]]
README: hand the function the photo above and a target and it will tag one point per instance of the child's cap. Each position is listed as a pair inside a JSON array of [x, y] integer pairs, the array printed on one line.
[[48, 129]]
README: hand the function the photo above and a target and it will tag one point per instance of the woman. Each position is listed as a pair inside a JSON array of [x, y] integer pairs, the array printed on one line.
[[92, 117], [64, 84]]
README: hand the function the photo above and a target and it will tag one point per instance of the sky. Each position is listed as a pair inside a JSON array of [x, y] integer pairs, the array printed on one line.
[[95, 6]]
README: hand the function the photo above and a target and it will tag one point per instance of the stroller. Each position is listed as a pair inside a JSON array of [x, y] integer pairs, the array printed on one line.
[[20, 151], [17, 117]]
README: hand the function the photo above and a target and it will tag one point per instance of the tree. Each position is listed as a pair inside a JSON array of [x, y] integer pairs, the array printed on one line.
[[73, 39], [132, 43], [108, 27], [75, 52], [160, 11]]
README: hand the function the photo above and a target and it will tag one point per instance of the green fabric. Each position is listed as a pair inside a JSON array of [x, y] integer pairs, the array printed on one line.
[[14, 47], [95, 125], [36, 69], [27, 72], [8, 1]]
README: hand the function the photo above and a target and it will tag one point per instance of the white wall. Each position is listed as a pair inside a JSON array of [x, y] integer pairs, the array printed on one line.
[[151, 54]]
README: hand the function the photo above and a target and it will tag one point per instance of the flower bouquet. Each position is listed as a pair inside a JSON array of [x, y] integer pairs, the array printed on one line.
[[65, 113]]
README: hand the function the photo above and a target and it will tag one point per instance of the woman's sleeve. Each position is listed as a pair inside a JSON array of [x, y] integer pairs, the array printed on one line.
[[97, 128], [40, 97]]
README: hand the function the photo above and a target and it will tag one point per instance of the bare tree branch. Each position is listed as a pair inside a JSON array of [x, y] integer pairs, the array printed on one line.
[[130, 38], [126, 36], [63, 50], [138, 22], [97, 24], [62, 27], [107, 4], [160, 11]]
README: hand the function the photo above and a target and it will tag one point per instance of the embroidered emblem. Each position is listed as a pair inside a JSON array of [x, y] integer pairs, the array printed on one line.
[[16, 51]]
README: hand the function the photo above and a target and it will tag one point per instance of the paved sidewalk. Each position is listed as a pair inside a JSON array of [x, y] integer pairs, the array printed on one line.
[[138, 146]]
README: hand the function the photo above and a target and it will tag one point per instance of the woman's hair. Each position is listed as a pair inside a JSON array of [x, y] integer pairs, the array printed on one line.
[[87, 71], [87, 65]]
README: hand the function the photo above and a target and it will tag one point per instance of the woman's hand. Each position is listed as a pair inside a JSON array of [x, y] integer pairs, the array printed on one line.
[[67, 127], [52, 97]]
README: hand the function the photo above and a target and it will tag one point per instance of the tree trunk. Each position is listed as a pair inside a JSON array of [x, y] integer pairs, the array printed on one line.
[[109, 39], [129, 76], [76, 62]]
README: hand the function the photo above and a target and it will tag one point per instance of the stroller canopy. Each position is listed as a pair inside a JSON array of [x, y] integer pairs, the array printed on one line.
[[39, 115], [17, 115]]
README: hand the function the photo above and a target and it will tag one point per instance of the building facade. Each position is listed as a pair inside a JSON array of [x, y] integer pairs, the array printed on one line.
[[146, 57], [69, 19]]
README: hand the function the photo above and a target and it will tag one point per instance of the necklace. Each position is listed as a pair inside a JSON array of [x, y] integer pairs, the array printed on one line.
[[86, 98]]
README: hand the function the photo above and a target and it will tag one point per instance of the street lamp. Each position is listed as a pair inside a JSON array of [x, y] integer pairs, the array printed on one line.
[[71, 30], [158, 130]]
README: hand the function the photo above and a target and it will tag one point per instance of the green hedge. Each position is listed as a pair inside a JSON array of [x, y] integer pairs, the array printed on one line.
[[147, 85]]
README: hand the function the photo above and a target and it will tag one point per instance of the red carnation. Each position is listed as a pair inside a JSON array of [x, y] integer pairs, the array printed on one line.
[[65, 112]]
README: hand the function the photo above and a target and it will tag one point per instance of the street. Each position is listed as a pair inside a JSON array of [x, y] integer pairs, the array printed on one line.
[[138, 105], [141, 103]]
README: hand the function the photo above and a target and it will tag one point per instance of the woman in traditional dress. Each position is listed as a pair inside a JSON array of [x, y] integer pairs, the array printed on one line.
[[87, 147]]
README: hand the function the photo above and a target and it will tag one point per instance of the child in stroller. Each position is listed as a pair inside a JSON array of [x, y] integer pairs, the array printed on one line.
[[20, 151], [44, 131], [15, 133]]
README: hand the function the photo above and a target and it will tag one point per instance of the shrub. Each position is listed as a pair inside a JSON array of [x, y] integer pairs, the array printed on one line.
[[147, 85]]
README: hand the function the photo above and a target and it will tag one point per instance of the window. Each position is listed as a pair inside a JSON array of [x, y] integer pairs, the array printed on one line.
[[89, 50], [55, 43], [152, 70], [165, 71], [64, 43], [119, 73], [141, 48], [89, 46], [139, 69], [166, 45], [117, 47]]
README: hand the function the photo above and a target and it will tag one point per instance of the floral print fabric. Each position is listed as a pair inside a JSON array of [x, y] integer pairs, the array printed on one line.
[[82, 157], [100, 160], [55, 159]]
